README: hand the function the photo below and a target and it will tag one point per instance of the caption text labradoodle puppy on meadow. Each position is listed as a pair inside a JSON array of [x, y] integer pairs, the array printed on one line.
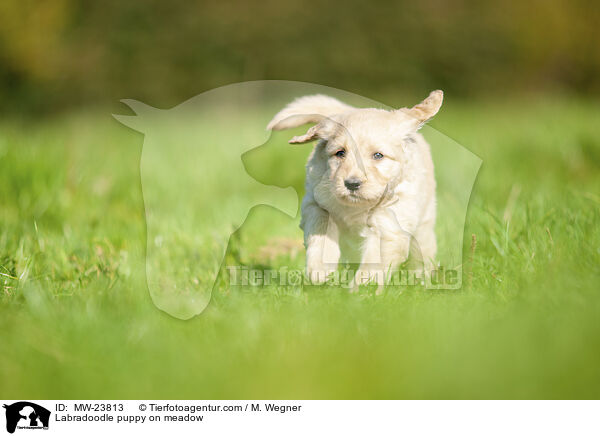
[[370, 187]]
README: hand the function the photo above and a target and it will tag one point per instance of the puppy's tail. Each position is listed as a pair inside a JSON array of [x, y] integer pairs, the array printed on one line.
[[307, 109]]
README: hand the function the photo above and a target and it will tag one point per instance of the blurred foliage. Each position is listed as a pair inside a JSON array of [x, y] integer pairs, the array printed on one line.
[[59, 53]]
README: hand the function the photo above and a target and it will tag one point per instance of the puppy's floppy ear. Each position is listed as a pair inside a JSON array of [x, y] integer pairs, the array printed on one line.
[[307, 109], [312, 134], [425, 110]]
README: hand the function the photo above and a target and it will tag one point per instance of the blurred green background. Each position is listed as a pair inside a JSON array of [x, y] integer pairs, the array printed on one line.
[[56, 54], [76, 320]]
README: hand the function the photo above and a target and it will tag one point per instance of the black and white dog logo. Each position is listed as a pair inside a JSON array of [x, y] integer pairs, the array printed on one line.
[[26, 415]]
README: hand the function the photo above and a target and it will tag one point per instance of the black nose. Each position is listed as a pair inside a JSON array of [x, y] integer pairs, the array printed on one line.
[[352, 184]]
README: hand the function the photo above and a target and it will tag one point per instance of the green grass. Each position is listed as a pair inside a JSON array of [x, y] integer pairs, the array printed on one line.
[[76, 319]]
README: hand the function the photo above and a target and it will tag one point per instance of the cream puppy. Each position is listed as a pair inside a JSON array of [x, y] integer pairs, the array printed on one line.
[[370, 185]]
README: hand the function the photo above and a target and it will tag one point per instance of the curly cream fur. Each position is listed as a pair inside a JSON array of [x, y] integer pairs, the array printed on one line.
[[394, 207]]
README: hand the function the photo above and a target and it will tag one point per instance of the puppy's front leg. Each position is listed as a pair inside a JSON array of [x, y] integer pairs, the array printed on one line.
[[371, 267], [381, 256], [321, 238]]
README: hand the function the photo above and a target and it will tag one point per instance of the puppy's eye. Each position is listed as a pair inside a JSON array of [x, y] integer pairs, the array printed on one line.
[[378, 156], [340, 153]]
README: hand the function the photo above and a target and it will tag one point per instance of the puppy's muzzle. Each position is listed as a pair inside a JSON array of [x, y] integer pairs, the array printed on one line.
[[352, 184]]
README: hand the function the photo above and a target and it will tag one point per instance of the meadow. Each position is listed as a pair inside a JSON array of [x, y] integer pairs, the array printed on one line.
[[77, 321]]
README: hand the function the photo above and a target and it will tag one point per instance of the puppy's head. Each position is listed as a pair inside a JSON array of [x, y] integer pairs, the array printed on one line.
[[364, 150]]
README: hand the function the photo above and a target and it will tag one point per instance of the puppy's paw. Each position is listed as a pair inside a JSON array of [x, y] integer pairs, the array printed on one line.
[[318, 273], [368, 276]]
